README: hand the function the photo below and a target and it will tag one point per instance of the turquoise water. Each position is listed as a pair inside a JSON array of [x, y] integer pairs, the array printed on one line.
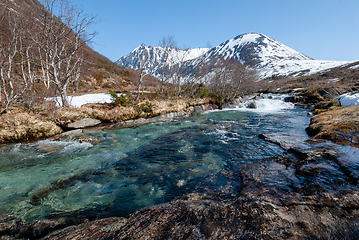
[[139, 166]]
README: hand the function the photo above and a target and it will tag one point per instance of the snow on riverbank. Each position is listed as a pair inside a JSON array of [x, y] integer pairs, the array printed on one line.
[[78, 101], [349, 99]]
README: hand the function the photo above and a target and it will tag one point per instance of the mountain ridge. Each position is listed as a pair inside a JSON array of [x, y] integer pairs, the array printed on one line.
[[268, 56]]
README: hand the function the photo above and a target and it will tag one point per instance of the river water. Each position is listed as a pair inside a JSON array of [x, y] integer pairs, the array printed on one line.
[[139, 166]]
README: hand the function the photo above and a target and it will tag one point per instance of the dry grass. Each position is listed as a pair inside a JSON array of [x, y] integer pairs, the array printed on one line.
[[108, 113], [21, 125], [17, 125], [339, 125]]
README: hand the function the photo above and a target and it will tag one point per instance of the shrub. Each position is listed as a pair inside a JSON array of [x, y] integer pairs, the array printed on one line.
[[119, 100], [146, 107], [202, 91]]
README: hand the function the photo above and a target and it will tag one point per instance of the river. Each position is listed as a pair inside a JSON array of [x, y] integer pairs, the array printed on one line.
[[131, 168]]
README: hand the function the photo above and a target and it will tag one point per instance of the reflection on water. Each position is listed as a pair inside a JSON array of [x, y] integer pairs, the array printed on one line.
[[136, 167]]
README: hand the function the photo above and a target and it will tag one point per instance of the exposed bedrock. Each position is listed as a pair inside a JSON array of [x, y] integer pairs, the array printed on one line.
[[301, 194]]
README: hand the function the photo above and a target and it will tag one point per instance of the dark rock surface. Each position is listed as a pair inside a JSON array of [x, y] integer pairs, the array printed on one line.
[[300, 194], [252, 105]]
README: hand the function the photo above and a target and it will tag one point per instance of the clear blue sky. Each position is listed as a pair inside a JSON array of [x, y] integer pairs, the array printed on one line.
[[321, 29]]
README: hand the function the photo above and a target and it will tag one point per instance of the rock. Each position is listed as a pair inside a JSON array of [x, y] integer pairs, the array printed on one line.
[[71, 134], [99, 229], [237, 102], [9, 225], [12, 227], [48, 148], [89, 139], [294, 99], [83, 123], [161, 118], [200, 109], [252, 105]]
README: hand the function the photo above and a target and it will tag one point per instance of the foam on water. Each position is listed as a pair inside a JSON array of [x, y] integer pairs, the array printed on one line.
[[268, 103], [273, 105]]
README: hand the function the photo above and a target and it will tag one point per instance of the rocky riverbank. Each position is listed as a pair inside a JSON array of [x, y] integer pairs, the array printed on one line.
[[19, 125], [340, 125], [307, 193], [331, 121]]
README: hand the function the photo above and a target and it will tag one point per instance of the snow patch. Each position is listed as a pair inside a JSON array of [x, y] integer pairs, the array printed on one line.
[[349, 99], [78, 101], [354, 67]]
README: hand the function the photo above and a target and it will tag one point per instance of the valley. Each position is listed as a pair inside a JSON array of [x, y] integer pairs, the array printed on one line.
[[249, 139]]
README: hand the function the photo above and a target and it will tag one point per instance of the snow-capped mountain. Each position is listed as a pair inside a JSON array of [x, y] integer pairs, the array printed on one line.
[[154, 57], [269, 57]]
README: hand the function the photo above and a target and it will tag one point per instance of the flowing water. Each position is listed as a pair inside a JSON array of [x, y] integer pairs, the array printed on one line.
[[139, 166]]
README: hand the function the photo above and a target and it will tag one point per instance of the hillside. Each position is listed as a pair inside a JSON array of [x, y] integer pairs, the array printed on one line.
[[97, 71]]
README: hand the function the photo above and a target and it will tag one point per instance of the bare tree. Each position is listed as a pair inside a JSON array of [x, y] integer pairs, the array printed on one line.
[[177, 68], [168, 44], [142, 58], [16, 68], [60, 37], [230, 78]]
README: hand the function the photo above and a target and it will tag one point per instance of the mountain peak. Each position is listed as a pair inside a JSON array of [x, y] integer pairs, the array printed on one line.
[[268, 56], [249, 37]]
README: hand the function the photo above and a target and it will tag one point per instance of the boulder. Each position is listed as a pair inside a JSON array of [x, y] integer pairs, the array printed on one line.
[[294, 99], [71, 134], [199, 109], [252, 105], [83, 123]]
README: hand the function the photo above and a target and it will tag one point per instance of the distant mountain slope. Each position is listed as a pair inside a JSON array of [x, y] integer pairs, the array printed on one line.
[[271, 58], [156, 55]]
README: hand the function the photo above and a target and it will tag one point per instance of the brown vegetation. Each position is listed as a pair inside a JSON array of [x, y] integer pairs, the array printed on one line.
[[340, 125], [110, 113], [330, 83], [19, 125]]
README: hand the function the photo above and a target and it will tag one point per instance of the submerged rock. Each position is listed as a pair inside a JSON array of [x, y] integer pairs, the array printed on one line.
[[300, 194]]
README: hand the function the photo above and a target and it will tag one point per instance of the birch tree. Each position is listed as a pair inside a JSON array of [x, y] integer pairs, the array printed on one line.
[[16, 68], [168, 44], [178, 68], [60, 38], [142, 58]]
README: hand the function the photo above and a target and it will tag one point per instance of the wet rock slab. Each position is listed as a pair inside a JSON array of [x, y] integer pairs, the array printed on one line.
[[300, 194], [83, 123]]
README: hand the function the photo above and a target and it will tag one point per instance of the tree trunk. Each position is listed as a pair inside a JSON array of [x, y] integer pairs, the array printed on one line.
[[63, 94], [139, 86]]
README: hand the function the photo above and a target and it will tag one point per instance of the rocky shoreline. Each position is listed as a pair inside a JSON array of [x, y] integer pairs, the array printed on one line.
[[20, 125]]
